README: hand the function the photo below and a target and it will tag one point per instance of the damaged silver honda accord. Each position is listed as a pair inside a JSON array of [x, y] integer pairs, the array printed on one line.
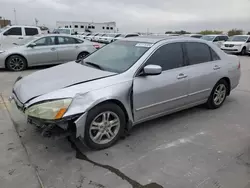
[[125, 83]]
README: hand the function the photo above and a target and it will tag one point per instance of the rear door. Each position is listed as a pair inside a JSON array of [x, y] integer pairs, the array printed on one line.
[[30, 31], [203, 70], [67, 49], [45, 51], [153, 95]]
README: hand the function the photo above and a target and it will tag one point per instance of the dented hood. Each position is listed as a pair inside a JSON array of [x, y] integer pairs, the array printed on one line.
[[58, 77]]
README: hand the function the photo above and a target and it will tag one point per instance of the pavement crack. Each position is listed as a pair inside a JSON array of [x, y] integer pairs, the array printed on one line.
[[133, 183]]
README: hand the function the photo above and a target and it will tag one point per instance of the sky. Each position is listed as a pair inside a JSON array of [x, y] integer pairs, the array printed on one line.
[[134, 15]]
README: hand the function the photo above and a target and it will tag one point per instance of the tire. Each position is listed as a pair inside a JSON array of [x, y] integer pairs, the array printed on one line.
[[243, 51], [213, 102], [95, 126], [82, 55], [16, 63]]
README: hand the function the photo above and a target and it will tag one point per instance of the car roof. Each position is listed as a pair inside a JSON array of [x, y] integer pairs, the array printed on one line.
[[150, 38]]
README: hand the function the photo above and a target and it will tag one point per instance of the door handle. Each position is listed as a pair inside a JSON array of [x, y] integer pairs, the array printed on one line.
[[181, 76], [53, 49], [77, 47], [20, 37], [216, 67]]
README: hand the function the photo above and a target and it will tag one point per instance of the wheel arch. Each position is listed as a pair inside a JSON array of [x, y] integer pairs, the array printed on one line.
[[84, 51], [228, 83], [5, 62]]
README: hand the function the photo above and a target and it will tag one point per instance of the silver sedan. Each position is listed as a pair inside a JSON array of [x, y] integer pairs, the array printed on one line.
[[45, 50], [125, 83]]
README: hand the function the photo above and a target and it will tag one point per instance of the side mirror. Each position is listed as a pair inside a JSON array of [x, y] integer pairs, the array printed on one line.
[[32, 45], [152, 70]]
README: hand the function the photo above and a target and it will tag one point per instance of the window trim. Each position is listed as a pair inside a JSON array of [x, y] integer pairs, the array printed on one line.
[[138, 71], [210, 52]]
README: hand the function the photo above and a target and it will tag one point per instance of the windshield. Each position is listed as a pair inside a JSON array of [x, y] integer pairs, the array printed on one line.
[[239, 38], [4, 28], [63, 31], [25, 41], [124, 55], [208, 38]]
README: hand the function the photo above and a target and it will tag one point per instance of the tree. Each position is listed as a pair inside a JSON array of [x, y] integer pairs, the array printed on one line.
[[233, 32], [181, 32], [168, 32], [210, 32]]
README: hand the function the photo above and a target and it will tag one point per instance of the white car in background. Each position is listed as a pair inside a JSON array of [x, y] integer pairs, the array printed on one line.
[[97, 37], [126, 35], [237, 44], [108, 38], [218, 40], [90, 37], [193, 35]]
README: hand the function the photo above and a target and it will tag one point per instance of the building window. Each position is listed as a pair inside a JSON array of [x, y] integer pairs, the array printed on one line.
[[76, 26], [89, 26], [103, 27], [70, 26], [82, 26], [107, 28], [93, 27], [66, 26], [111, 28]]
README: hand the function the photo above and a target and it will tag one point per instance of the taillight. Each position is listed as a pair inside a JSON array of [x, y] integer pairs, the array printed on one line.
[[97, 46]]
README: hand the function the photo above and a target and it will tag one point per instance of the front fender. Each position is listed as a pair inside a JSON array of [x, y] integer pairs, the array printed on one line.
[[82, 103]]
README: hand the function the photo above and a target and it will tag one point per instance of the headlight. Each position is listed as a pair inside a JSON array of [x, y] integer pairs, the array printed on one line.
[[49, 110]]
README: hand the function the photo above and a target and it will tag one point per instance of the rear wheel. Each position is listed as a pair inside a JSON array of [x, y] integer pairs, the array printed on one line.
[[104, 125], [218, 95], [16, 63], [82, 55]]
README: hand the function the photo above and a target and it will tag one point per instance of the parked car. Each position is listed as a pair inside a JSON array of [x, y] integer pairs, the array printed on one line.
[[97, 37], [127, 35], [193, 35], [44, 50], [66, 31], [237, 44], [85, 35], [218, 40], [108, 38], [11, 34], [144, 78], [90, 37]]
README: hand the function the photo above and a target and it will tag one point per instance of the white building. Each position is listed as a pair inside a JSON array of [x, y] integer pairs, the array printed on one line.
[[105, 27]]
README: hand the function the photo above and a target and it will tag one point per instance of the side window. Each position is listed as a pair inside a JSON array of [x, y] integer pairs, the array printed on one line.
[[216, 39], [14, 31], [78, 41], [45, 41], [169, 56], [248, 39], [131, 35], [66, 40], [197, 53], [31, 31], [214, 55]]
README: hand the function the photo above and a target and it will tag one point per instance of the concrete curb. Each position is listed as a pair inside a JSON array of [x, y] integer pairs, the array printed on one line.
[[16, 169]]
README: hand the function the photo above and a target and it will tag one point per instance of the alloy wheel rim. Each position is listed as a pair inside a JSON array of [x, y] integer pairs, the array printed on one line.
[[16, 64], [104, 128], [219, 94]]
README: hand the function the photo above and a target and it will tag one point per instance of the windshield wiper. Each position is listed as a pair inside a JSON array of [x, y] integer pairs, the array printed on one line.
[[93, 65]]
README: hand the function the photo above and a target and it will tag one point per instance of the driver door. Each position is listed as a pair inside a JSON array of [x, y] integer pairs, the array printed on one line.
[[11, 36], [45, 52], [156, 94]]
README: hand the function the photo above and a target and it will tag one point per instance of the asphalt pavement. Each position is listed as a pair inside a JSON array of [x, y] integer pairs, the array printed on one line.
[[195, 148]]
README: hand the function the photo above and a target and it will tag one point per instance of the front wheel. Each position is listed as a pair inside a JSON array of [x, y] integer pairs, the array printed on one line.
[[243, 51], [104, 125], [218, 95], [16, 63]]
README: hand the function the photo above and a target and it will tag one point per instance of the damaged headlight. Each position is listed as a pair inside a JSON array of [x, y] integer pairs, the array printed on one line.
[[51, 110]]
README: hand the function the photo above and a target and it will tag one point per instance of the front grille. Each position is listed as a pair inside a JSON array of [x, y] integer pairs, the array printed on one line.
[[229, 45]]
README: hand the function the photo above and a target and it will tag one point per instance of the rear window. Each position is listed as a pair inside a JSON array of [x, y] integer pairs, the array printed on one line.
[[31, 31], [124, 55]]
